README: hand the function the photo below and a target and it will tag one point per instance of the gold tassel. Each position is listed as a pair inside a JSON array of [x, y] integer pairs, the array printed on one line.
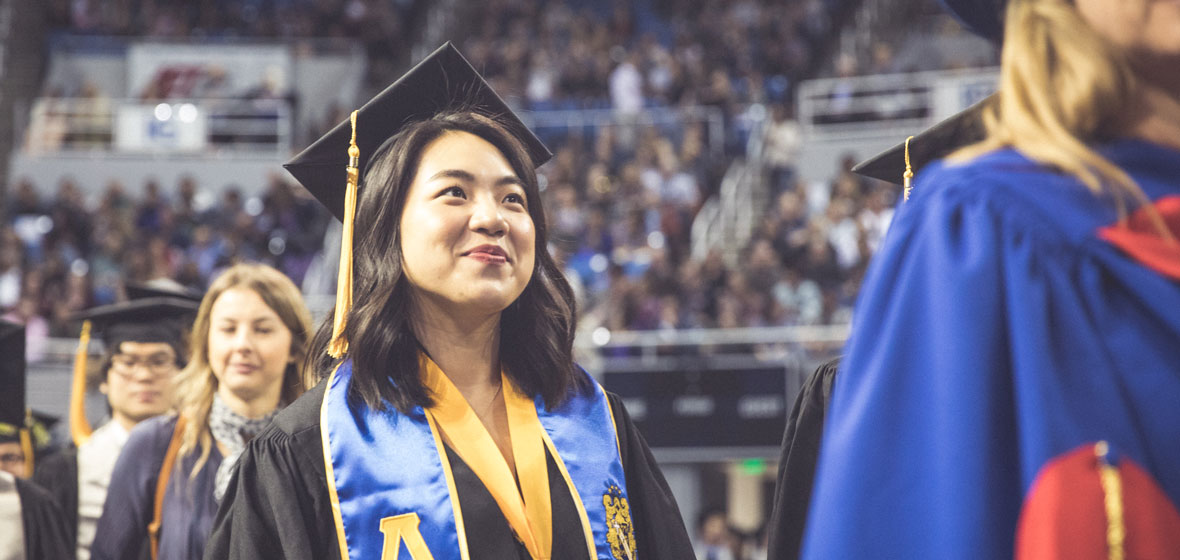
[[908, 176], [80, 427], [339, 345], [26, 445], [1112, 488]]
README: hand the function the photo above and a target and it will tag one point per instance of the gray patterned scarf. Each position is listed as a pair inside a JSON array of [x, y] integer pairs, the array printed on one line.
[[233, 431]]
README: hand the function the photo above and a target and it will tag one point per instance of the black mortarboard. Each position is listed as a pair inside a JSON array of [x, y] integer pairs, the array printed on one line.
[[984, 17], [137, 291], [960, 129], [17, 423], [12, 376], [150, 319], [442, 81]]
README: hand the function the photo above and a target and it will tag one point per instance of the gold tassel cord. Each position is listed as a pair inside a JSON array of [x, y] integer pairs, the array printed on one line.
[[339, 345], [908, 176], [26, 446], [1112, 489], [80, 427]]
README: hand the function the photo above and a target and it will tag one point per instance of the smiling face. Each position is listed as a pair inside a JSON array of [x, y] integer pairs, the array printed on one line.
[[249, 347], [139, 381], [467, 238]]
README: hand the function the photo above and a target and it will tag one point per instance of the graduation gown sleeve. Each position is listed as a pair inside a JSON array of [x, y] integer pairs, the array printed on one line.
[[46, 534], [58, 474], [994, 332], [796, 466]]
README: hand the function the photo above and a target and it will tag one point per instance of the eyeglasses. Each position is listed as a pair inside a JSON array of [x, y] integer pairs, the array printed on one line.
[[11, 458], [157, 364]]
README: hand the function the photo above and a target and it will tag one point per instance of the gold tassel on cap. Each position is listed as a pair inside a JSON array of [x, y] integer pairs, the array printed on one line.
[[80, 427], [908, 176], [339, 345], [26, 444]]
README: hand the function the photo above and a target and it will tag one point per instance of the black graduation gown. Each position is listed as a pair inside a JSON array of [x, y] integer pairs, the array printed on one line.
[[277, 504], [796, 466], [45, 525], [58, 474]]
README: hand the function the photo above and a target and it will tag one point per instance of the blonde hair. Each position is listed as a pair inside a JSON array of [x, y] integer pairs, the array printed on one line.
[[196, 384], [1062, 87]]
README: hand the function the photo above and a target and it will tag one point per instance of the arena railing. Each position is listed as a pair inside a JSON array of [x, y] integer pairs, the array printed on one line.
[[853, 107], [225, 127]]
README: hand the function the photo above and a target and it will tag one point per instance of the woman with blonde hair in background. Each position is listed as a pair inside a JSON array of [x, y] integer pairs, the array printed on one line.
[[249, 344], [1011, 383]]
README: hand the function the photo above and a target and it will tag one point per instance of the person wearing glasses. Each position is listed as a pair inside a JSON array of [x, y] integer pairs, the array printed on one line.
[[144, 349], [248, 345]]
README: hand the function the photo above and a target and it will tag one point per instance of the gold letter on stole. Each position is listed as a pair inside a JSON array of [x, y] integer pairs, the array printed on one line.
[[400, 528]]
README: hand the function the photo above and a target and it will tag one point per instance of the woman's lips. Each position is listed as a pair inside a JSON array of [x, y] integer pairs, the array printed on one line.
[[489, 254], [488, 258], [242, 368]]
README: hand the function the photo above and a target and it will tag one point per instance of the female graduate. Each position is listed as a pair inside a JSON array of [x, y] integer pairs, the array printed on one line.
[[249, 342], [455, 425], [1011, 384]]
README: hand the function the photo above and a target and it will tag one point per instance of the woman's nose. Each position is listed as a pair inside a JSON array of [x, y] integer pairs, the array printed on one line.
[[487, 217], [243, 340]]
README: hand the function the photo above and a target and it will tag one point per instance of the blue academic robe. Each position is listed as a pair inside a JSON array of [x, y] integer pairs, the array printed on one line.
[[998, 329]]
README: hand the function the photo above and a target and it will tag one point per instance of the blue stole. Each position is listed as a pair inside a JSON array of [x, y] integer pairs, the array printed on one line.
[[392, 489]]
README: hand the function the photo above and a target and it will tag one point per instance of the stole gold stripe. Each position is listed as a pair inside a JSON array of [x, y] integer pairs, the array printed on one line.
[[329, 472]]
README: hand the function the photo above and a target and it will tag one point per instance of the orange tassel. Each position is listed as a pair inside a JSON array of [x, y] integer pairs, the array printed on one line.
[[339, 345], [80, 427]]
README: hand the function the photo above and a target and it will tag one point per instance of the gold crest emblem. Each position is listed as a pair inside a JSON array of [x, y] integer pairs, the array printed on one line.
[[619, 533]]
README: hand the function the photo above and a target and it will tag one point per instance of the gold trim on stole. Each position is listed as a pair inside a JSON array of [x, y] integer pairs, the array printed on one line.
[[329, 472], [569, 483], [460, 528]]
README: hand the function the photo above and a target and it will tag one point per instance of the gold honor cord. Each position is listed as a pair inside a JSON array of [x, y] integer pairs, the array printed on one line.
[[1112, 488], [530, 516], [339, 345], [80, 427], [908, 176]]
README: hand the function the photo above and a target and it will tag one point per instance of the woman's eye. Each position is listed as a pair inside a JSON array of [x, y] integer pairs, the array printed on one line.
[[454, 191], [514, 199]]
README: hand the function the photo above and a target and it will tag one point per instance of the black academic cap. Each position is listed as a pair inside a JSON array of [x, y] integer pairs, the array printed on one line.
[[958, 130], [12, 379], [442, 81], [983, 17], [151, 319], [136, 290]]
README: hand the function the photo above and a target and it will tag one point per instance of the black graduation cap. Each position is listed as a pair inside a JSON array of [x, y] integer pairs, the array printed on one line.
[[12, 379], [18, 424], [149, 319], [442, 81], [958, 130], [144, 290], [983, 17]]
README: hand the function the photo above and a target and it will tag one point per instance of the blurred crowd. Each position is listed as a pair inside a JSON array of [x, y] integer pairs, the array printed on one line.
[[380, 25], [621, 198], [62, 254]]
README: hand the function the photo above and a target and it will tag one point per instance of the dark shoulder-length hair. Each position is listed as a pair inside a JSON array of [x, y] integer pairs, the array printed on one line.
[[536, 331]]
